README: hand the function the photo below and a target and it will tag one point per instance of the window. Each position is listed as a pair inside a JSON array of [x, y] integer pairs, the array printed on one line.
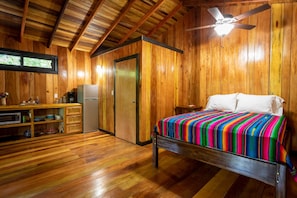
[[28, 61]]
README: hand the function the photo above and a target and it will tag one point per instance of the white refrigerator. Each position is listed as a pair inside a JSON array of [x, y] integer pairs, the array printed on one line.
[[87, 95]]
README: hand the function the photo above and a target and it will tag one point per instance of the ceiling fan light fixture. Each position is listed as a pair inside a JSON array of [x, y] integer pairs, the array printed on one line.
[[224, 28]]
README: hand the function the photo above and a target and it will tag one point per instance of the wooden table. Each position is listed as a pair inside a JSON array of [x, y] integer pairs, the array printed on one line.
[[186, 109]]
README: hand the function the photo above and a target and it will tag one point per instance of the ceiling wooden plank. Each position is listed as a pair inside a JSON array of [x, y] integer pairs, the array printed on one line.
[[26, 6], [142, 20], [49, 43], [60, 22], [88, 21], [171, 14], [201, 3], [114, 24]]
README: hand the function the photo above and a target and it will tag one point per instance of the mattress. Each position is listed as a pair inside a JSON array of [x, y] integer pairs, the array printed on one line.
[[259, 136]]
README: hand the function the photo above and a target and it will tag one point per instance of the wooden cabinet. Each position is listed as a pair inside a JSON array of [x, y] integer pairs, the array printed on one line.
[[73, 119], [41, 119]]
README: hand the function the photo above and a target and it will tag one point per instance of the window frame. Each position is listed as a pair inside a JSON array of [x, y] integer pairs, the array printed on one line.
[[22, 67]]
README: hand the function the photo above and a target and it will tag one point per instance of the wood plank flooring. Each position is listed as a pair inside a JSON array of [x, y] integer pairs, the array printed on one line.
[[100, 165]]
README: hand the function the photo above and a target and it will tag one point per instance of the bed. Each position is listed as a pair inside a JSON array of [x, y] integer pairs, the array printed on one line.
[[242, 133]]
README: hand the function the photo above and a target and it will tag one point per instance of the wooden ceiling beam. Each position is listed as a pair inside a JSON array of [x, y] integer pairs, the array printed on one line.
[[142, 20], [169, 16], [113, 25], [99, 3], [49, 43], [26, 7], [203, 3]]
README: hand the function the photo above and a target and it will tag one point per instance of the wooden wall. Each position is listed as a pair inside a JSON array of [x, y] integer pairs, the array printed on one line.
[[74, 69], [159, 70], [105, 80], [160, 81], [259, 61]]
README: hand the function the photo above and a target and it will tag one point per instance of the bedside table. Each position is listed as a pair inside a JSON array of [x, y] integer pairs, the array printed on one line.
[[186, 109]]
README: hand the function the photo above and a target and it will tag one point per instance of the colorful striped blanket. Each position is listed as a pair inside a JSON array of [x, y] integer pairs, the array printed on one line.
[[255, 135]]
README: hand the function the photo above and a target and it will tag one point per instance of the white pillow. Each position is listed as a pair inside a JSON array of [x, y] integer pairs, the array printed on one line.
[[224, 102], [259, 104]]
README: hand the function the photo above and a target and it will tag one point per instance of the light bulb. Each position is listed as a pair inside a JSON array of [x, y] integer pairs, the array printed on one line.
[[224, 28]]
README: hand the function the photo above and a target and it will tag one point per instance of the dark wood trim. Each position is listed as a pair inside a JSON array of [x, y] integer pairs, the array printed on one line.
[[105, 131], [207, 3], [144, 143], [155, 150], [61, 14], [268, 172], [161, 44], [144, 38], [139, 142], [23, 24]]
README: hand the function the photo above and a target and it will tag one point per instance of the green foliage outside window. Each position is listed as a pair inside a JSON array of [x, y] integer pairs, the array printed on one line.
[[6, 59], [37, 62]]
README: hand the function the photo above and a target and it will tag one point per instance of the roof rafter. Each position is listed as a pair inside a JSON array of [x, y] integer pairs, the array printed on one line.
[[171, 14], [142, 20], [99, 3], [201, 3], [57, 23], [26, 6], [114, 24]]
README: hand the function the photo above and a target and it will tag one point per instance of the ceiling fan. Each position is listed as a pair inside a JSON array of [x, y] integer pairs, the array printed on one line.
[[226, 22]]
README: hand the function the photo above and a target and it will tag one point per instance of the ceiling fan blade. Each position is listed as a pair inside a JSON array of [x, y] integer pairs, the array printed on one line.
[[201, 27], [251, 12], [243, 26], [216, 13]]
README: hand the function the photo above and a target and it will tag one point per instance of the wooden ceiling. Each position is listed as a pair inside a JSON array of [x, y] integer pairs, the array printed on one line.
[[88, 25]]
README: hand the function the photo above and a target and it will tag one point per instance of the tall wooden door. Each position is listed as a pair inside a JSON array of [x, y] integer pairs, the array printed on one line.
[[126, 98]]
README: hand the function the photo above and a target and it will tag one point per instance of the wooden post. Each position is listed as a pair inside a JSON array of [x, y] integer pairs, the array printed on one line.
[[280, 181], [155, 148]]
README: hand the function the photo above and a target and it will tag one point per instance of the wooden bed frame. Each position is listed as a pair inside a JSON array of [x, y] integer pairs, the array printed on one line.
[[268, 172]]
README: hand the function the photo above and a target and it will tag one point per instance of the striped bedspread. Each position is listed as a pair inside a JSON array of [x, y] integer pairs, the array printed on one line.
[[250, 134]]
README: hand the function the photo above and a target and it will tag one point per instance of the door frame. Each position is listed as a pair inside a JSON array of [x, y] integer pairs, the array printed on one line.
[[136, 56]]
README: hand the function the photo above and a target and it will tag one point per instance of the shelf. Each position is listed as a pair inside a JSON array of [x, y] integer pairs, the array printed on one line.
[[47, 122], [15, 125], [37, 106]]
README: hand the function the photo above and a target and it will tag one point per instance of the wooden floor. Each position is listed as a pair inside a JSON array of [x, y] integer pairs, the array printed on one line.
[[99, 165]]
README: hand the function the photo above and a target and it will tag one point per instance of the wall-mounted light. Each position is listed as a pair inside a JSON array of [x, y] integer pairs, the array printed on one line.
[[99, 70], [64, 74], [80, 74]]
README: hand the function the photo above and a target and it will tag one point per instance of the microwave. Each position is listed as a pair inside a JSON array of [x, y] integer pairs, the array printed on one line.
[[10, 118]]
